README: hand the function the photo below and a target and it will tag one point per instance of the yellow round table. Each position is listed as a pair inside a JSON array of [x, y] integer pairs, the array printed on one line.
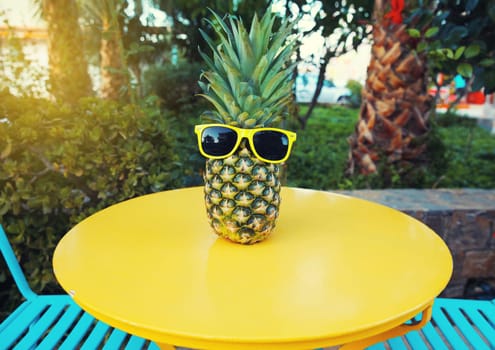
[[336, 270]]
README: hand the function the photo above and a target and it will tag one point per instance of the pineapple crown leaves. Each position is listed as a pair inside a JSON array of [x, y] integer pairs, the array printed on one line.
[[249, 78]]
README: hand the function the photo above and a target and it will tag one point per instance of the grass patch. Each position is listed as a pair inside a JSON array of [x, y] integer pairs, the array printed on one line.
[[320, 154], [470, 153]]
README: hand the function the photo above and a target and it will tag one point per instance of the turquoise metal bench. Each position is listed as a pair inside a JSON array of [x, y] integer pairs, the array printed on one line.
[[55, 321], [455, 324]]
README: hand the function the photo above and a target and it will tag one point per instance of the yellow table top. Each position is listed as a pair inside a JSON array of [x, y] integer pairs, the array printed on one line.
[[335, 269]]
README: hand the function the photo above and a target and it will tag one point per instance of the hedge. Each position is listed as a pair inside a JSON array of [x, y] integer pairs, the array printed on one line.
[[60, 164]]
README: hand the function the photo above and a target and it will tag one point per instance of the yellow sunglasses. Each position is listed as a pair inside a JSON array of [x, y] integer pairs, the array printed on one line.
[[270, 145]]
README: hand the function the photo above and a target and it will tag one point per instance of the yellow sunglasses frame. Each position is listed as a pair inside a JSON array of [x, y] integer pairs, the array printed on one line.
[[245, 134]]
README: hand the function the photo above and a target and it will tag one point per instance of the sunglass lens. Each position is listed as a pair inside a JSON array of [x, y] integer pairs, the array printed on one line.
[[271, 145], [218, 141]]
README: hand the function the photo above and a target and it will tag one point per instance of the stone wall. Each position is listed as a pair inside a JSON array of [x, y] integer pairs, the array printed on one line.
[[464, 218]]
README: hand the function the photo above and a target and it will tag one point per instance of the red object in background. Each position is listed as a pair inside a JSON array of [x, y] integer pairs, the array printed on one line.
[[476, 97], [395, 13], [440, 79]]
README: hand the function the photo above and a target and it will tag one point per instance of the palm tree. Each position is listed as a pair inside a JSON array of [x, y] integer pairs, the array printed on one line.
[[394, 117], [69, 78], [115, 84]]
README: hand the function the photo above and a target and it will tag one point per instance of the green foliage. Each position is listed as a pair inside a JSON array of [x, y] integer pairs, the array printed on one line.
[[249, 78], [60, 164], [192, 163], [460, 154], [356, 90], [188, 16], [458, 37], [347, 21], [470, 151], [320, 153], [175, 85]]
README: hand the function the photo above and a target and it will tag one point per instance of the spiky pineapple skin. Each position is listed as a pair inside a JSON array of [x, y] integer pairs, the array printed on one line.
[[242, 196]]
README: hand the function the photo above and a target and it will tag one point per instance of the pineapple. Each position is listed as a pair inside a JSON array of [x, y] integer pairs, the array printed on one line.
[[249, 82]]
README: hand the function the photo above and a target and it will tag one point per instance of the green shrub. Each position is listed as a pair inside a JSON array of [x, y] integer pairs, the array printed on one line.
[[356, 89], [470, 151], [192, 162], [319, 156], [60, 164], [175, 85]]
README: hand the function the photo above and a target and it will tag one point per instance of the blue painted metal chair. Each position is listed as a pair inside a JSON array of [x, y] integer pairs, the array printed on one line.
[[55, 321], [458, 324]]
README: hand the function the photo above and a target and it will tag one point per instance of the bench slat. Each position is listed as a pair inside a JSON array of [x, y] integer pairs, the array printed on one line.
[[486, 328], [21, 323], [96, 337], [79, 331], [153, 346], [16, 313], [37, 330], [433, 338], [397, 343], [415, 341], [456, 324], [467, 329], [60, 329], [115, 340], [450, 334], [135, 343]]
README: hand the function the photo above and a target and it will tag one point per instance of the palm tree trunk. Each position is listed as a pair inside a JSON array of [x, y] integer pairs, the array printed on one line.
[[69, 77], [114, 75], [393, 119]]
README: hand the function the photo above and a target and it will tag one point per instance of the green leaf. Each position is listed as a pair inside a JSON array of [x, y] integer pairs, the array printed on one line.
[[487, 62], [251, 103], [7, 150], [260, 68], [421, 46], [4, 206], [459, 52], [221, 109], [211, 117], [250, 123], [414, 33], [431, 32], [275, 82], [242, 117], [465, 69], [95, 134], [456, 34], [472, 50]]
